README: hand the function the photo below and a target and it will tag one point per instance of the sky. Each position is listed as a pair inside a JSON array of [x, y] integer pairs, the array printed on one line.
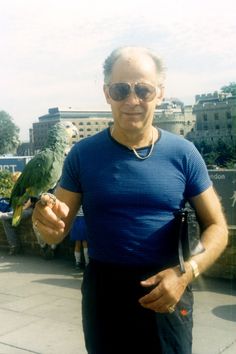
[[52, 51]]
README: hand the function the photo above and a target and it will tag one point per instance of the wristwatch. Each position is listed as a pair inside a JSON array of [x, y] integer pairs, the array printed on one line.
[[194, 267]]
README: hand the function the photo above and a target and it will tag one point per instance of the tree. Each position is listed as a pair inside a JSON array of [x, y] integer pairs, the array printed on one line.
[[9, 134], [220, 154], [231, 88], [226, 156], [6, 183]]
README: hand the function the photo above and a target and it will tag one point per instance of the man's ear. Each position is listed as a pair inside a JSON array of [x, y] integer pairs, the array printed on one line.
[[106, 93], [160, 95]]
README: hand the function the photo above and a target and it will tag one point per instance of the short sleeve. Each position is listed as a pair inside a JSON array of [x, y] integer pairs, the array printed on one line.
[[198, 179], [70, 178]]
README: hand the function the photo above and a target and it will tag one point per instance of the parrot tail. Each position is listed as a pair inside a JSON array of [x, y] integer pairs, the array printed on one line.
[[17, 215]]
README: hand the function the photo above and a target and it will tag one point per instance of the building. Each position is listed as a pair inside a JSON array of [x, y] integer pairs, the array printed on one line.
[[215, 119], [174, 117], [87, 123], [24, 149]]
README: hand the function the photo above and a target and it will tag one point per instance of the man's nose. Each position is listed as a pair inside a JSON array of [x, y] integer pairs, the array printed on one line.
[[132, 98]]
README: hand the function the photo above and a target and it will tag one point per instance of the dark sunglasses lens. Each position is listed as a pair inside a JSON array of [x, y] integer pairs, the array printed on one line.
[[119, 92], [145, 92]]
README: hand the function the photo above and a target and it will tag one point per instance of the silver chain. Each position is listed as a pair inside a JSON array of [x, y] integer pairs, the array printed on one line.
[[150, 152]]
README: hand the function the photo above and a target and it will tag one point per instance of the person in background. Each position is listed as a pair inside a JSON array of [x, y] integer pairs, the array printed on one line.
[[6, 214], [11, 232], [78, 234], [131, 179]]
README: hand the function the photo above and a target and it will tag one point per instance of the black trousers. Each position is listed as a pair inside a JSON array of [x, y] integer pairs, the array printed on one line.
[[115, 323]]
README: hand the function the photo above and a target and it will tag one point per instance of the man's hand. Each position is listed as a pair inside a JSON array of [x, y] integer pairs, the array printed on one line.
[[47, 219], [167, 288]]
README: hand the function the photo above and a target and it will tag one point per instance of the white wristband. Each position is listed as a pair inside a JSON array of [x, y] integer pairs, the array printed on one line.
[[194, 267]]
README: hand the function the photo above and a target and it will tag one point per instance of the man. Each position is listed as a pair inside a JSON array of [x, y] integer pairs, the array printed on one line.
[[131, 179]]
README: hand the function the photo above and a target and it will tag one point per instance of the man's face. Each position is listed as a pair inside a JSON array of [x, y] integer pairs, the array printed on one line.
[[133, 113]]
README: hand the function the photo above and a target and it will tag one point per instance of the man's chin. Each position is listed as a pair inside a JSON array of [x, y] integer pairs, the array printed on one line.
[[132, 126]]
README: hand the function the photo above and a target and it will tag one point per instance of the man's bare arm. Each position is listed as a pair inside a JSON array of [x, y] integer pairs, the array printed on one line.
[[214, 228], [170, 284]]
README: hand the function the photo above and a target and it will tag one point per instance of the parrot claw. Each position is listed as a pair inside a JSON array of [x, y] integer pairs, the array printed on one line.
[[48, 199]]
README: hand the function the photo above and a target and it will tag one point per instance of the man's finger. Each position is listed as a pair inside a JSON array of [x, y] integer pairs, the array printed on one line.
[[53, 235], [48, 199]]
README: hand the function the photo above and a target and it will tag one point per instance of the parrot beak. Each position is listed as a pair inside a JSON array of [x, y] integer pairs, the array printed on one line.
[[71, 130], [67, 150], [75, 132]]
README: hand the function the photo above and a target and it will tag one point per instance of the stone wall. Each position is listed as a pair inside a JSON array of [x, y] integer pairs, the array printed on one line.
[[29, 243], [225, 267]]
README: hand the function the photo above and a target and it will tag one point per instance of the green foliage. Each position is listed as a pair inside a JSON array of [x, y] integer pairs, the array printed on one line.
[[220, 154], [231, 88], [6, 183], [9, 134]]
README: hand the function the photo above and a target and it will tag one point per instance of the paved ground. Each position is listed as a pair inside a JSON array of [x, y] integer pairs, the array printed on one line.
[[40, 309]]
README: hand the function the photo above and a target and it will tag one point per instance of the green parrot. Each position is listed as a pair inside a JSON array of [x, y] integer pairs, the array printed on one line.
[[43, 171]]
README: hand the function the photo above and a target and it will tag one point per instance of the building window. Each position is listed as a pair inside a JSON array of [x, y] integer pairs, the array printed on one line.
[[205, 117], [229, 126], [228, 115], [217, 127], [181, 132], [205, 127], [216, 115]]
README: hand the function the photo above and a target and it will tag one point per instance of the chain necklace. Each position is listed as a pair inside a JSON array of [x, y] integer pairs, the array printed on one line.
[[150, 152], [135, 151]]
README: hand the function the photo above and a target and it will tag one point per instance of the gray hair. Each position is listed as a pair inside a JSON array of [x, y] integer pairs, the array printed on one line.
[[117, 53]]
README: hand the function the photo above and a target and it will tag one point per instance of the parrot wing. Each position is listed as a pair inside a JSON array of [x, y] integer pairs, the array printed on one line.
[[43, 171], [40, 174]]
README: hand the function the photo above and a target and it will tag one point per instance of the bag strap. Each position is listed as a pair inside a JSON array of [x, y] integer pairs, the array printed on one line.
[[182, 215]]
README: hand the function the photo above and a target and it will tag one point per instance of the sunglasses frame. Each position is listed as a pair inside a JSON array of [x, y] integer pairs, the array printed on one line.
[[132, 89]]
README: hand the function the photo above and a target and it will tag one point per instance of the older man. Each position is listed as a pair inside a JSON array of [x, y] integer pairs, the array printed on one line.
[[131, 179]]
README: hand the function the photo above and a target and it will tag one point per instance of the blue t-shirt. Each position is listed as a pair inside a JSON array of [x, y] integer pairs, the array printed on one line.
[[129, 203]]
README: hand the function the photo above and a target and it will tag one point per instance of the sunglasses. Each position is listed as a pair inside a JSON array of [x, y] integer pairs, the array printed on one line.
[[122, 90]]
